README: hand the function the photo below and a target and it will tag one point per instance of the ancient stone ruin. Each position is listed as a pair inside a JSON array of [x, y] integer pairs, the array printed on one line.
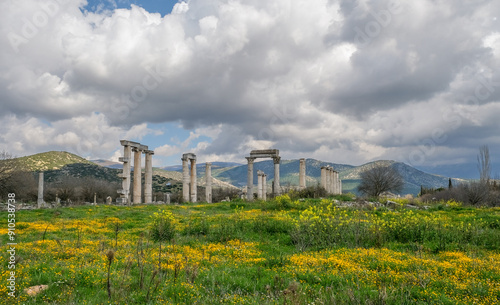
[[189, 184], [138, 149], [266, 153], [330, 180]]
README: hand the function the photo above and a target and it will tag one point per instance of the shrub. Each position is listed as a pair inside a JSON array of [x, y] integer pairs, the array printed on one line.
[[162, 227]]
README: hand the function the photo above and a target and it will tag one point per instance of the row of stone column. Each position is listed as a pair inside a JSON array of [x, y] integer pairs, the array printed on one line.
[[330, 180], [138, 149], [189, 182]]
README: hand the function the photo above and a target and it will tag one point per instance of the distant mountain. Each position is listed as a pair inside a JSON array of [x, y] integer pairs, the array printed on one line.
[[289, 171], [413, 177], [350, 175], [201, 166], [108, 164]]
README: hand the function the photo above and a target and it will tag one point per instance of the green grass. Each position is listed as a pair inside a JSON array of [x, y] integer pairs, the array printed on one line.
[[275, 252]]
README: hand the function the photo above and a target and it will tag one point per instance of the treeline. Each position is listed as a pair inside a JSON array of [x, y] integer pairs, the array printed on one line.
[[65, 190], [475, 193]]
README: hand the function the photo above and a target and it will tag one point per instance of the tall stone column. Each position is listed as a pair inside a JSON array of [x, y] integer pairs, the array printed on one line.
[[185, 180], [137, 176], [148, 177], [40, 190], [264, 187], [208, 182], [328, 180], [323, 177], [259, 184], [336, 183], [194, 186], [302, 174], [277, 188], [250, 178], [127, 155], [333, 182]]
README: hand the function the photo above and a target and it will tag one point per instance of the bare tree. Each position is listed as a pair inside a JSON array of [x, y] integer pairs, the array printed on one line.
[[483, 164], [379, 179], [7, 169]]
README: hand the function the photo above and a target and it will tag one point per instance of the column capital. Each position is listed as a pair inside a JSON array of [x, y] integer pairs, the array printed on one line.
[[188, 156], [277, 159], [250, 159]]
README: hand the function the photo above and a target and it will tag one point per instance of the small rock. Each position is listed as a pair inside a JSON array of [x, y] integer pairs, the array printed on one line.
[[34, 290]]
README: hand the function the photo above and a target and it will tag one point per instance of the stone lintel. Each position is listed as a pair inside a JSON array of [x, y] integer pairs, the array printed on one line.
[[129, 143], [140, 148], [265, 153], [188, 156]]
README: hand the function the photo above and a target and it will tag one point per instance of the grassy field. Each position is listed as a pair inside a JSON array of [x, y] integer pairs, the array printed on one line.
[[277, 252]]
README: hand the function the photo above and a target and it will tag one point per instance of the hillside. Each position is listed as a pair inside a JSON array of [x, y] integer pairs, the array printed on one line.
[[413, 177], [58, 166], [51, 160]]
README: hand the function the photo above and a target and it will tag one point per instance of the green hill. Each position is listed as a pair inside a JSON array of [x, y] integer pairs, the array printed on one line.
[[51, 160]]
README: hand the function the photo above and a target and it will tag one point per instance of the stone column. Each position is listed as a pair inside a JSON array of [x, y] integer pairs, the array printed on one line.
[[40, 190], [185, 180], [302, 174], [332, 181], [264, 187], [194, 186], [328, 180], [250, 178], [323, 177], [334, 187], [137, 176], [277, 188], [336, 182], [148, 177], [208, 182], [125, 191], [259, 184], [340, 187]]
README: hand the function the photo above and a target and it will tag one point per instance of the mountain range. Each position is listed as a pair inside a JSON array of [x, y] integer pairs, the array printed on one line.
[[57, 165]]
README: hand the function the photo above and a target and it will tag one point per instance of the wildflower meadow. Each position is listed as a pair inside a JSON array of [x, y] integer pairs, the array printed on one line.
[[282, 251]]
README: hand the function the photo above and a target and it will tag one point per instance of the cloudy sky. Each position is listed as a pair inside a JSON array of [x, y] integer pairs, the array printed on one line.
[[342, 81]]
